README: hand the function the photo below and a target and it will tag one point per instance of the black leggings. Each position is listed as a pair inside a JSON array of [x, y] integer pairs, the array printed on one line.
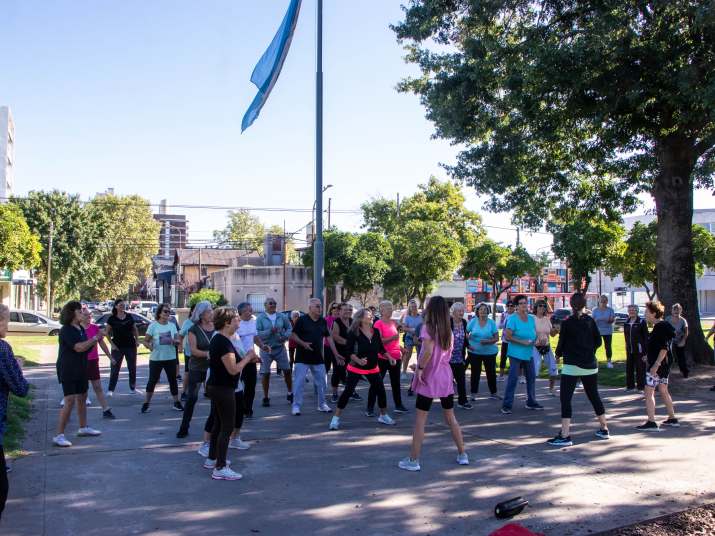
[[679, 352], [375, 383], [590, 385], [249, 376], [130, 353], [502, 357], [458, 371], [238, 422], [4, 485], [196, 378], [155, 368], [340, 374], [223, 408], [635, 371], [394, 371], [327, 358], [490, 369], [607, 339], [425, 403]]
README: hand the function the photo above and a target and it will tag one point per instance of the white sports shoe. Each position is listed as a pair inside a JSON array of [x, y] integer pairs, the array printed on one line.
[[62, 403], [334, 423], [609, 365], [61, 441], [409, 464], [239, 444], [325, 408], [226, 474], [386, 419], [204, 449], [211, 464], [88, 402], [87, 431], [296, 410], [463, 459], [110, 394]]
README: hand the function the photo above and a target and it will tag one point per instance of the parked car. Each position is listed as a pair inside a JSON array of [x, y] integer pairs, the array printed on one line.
[[559, 315], [22, 321], [622, 315], [143, 307], [141, 321]]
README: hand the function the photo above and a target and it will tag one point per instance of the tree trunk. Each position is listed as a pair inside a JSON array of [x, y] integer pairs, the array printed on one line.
[[673, 195], [651, 295]]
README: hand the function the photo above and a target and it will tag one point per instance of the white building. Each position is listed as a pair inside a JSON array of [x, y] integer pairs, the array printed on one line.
[[621, 294], [7, 154]]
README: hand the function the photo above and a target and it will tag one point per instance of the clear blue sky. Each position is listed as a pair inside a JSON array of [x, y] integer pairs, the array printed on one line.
[[147, 97]]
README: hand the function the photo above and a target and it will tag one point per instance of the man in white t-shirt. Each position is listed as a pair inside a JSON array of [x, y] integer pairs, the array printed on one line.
[[249, 336]]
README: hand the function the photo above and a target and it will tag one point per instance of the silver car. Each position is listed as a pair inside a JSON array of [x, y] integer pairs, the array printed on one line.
[[29, 322]]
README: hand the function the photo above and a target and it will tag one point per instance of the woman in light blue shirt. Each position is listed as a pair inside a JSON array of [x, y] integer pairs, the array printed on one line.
[[162, 338], [521, 336], [605, 317], [483, 334]]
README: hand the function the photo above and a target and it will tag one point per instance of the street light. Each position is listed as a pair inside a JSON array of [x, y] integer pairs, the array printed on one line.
[[318, 261]]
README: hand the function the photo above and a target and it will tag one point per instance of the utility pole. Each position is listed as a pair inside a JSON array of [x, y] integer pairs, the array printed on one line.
[[318, 246], [49, 270], [329, 202], [518, 236], [285, 251], [200, 271]]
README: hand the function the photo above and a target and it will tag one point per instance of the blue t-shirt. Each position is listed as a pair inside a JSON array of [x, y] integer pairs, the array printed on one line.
[[602, 317], [184, 332], [477, 333], [521, 330], [162, 341], [414, 322]]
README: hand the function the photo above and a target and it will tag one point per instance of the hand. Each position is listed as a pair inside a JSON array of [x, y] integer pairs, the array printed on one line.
[[412, 367], [654, 371], [255, 359], [392, 362], [308, 346], [20, 361], [112, 360], [644, 359], [114, 347], [419, 372], [362, 361], [340, 360], [266, 348]]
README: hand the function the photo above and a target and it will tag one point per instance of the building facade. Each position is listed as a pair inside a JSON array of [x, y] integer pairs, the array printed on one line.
[[7, 154]]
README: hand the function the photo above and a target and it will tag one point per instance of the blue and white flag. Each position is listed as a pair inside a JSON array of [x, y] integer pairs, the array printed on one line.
[[268, 68]]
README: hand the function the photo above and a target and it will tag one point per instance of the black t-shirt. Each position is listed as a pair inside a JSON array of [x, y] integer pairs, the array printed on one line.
[[660, 339], [365, 348], [71, 365], [310, 331], [122, 330], [343, 332], [203, 343], [219, 376]]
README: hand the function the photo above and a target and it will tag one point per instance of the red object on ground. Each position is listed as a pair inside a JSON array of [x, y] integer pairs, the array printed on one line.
[[513, 529]]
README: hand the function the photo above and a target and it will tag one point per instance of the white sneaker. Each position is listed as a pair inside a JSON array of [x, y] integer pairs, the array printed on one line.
[[211, 464], [501, 378], [88, 402], [62, 403], [325, 408], [226, 474], [334, 423], [135, 392], [295, 410], [204, 449], [237, 443], [463, 459], [409, 464], [110, 394], [609, 365], [87, 431], [522, 380], [386, 419], [61, 441]]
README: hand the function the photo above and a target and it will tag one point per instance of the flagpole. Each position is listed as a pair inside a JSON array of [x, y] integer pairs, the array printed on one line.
[[318, 247]]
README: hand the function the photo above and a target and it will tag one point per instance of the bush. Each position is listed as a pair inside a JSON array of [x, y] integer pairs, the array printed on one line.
[[214, 296]]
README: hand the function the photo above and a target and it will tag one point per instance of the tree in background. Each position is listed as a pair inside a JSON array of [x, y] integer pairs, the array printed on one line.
[[635, 257], [19, 247], [585, 243], [243, 231], [214, 296], [499, 266], [129, 238], [577, 104]]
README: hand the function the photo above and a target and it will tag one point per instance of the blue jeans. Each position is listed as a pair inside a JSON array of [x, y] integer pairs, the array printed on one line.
[[300, 371], [514, 378]]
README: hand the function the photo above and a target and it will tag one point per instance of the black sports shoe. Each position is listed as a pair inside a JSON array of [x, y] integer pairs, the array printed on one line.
[[560, 441], [712, 388], [401, 409], [649, 426], [466, 405], [355, 396], [334, 398], [603, 434], [107, 414], [184, 397], [289, 397], [369, 412], [182, 433], [672, 422], [145, 407], [178, 407], [410, 392], [266, 402], [249, 415], [537, 407]]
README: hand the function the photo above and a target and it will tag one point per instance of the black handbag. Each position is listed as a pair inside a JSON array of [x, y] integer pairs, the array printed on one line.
[[510, 508]]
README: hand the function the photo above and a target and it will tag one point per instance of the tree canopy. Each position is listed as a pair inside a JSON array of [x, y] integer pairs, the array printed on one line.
[[19, 247]]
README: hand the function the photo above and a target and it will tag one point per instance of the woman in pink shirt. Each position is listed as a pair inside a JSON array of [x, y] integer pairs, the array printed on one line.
[[390, 361], [433, 379], [93, 362]]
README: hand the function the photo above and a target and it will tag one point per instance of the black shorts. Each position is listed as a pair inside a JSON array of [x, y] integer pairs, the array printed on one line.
[[75, 387], [424, 403]]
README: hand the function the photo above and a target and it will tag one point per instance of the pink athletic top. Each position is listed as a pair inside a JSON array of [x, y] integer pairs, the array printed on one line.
[[91, 331], [387, 330], [329, 321], [437, 380]]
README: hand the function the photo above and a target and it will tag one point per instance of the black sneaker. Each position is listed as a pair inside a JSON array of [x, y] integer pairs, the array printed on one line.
[[184, 397], [603, 434], [178, 407], [145, 407], [178, 378], [712, 388], [649, 426], [466, 405], [182, 433], [506, 411], [410, 392], [401, 409], [672, 422], [369, 412], [289, 397], [560, 441], [249, 415], [107, 414], [494, 396], [266, 402], [334, 398], [535, 407], [355, 396], [279, 372]]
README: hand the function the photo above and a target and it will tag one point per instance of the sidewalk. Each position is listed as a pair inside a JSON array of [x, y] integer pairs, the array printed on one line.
[[137, 478]]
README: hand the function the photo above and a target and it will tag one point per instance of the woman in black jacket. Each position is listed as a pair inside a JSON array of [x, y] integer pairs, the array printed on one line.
[[578, 340], [635, 331]]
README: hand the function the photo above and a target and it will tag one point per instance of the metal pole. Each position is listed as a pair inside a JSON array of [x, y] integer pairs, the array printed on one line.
[[329, 201], [318, 269], [49, 270]]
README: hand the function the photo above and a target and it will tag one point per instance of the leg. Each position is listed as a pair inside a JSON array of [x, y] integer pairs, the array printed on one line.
[[327, 358], [196, 378], [4, 486], [131, 355], [514, 366], [665, 395], [502, 359], [350, 383], [238, 416], [372, 392], [476, 364], [65, 413], [99, 392], [640, 372], [377, 384], [590, 386], [631, 370], [451, 420], [81, 401], [319, 375], [265, 371], [154, 372], [249, 377], [406, 356], [490, 369], [291, 356], [682, 361], [458, 373], [530, 374], [568, 386], [301, 370], [607, 339], [423, 405], [170, 369], [115, 368], [650, 402], [394, 371], [226, 413]]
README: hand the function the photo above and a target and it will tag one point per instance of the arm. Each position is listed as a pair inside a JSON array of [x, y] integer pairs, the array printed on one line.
[[263, 333], [331, 344], [149, 337], [105, 349], [287, 329], [233, 368], [11, 373], [300, 342], [108, 328], [86, 345], [262, 345], [596, 336], [135, 330], [686, 332], [661, 356], [559, 352], [195, 352], [510, 338], [335, 333]]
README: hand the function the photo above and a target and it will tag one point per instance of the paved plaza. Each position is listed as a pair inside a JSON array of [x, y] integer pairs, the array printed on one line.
[[137, 478]]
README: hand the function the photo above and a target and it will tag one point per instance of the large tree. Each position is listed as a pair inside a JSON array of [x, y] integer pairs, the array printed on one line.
[[19, 247], [129, 239], [242, 231], [499, 266], [577, 103]]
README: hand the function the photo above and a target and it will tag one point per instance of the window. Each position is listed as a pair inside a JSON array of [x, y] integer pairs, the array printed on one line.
[[256, 301], [30, 319], [15, 317]]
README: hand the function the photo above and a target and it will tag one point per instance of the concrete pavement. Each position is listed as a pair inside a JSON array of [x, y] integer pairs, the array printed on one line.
[[137, 478]]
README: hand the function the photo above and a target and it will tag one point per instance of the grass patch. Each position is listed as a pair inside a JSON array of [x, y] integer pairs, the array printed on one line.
[[19, 412], [29, 347]]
